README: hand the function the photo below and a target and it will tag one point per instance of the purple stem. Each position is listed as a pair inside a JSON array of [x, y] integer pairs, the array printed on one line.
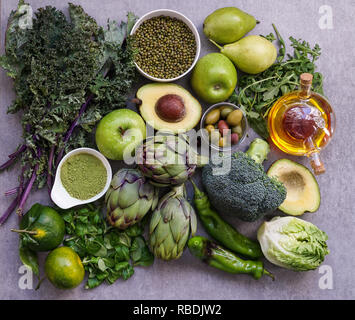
[[7, 164], [27, 191], [72, 127], [49, 173], [13, 157], [22, 177], [14, 203], [12, 191], [9, 210], [18, 151]]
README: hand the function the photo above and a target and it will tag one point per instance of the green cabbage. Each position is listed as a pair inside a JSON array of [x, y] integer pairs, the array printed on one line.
[[293, 243]]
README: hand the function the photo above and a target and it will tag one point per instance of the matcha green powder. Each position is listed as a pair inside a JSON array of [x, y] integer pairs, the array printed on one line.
[[83, 176]]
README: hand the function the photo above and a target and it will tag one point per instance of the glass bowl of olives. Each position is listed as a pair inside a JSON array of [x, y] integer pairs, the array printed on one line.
[[167, 45], [224, 126]]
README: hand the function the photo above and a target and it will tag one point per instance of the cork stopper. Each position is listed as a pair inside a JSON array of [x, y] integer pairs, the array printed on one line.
[[306, 78], [305, 85]]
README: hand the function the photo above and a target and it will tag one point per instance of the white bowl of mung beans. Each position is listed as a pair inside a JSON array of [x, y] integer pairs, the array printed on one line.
[[167, 45]]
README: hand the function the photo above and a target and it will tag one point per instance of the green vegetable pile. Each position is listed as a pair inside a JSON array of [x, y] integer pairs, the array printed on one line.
[[257, 93], [70, 73], [67, 75], [106, 252]]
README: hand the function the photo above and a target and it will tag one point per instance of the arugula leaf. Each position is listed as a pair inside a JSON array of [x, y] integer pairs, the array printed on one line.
[[257, 93]]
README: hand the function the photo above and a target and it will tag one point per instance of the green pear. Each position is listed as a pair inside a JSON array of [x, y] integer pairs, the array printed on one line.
[[227, 25], [252, 54]]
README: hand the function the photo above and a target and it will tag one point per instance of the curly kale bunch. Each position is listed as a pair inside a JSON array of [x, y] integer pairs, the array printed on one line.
[[67, 75]]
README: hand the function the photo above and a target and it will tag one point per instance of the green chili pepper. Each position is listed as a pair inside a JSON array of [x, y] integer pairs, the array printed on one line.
[[221, 230], [220, 258]]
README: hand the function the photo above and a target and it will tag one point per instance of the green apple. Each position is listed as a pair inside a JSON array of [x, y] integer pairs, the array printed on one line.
[[119, 133], [214, 78]]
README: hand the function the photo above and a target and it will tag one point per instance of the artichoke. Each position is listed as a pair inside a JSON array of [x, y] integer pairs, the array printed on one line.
[[129, 198], [167, 160], [170, 225]]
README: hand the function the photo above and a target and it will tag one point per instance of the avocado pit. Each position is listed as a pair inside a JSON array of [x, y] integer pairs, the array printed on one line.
[[170, 108], [295, 182]]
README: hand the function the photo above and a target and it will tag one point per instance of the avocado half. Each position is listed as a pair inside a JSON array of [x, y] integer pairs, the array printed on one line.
[[168, 107], [303, 193]]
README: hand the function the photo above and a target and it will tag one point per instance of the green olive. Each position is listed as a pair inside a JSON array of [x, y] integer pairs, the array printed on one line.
[[213, 116], [215, 136], [235, 117], [237, 129], [225, 111], [222, 142], [210, 128]]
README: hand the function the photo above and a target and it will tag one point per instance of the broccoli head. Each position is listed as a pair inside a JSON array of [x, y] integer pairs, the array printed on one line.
[[245, 191]]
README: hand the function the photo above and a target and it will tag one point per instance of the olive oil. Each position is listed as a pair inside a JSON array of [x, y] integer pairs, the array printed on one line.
[[302, 122]]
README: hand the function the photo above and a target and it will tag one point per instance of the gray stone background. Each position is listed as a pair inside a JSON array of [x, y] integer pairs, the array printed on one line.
[[188, 278]]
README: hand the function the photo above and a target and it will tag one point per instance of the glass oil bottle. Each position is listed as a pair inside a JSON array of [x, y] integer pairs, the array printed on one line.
[[302, 123]]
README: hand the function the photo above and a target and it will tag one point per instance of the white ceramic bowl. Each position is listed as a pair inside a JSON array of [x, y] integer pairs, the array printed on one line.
[[173, 14], [59, 194]]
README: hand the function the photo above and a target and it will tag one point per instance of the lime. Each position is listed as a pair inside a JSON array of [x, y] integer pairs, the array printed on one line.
[[42, 228], [64, 268]]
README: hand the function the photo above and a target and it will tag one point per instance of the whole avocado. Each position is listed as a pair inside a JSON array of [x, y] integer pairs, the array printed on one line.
[[227, 25], [244, 191]]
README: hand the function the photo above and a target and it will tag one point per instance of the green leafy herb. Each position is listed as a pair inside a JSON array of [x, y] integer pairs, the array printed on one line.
[[67, 75], [106, 252], [29, 258], [257, 93], [140, 254]]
